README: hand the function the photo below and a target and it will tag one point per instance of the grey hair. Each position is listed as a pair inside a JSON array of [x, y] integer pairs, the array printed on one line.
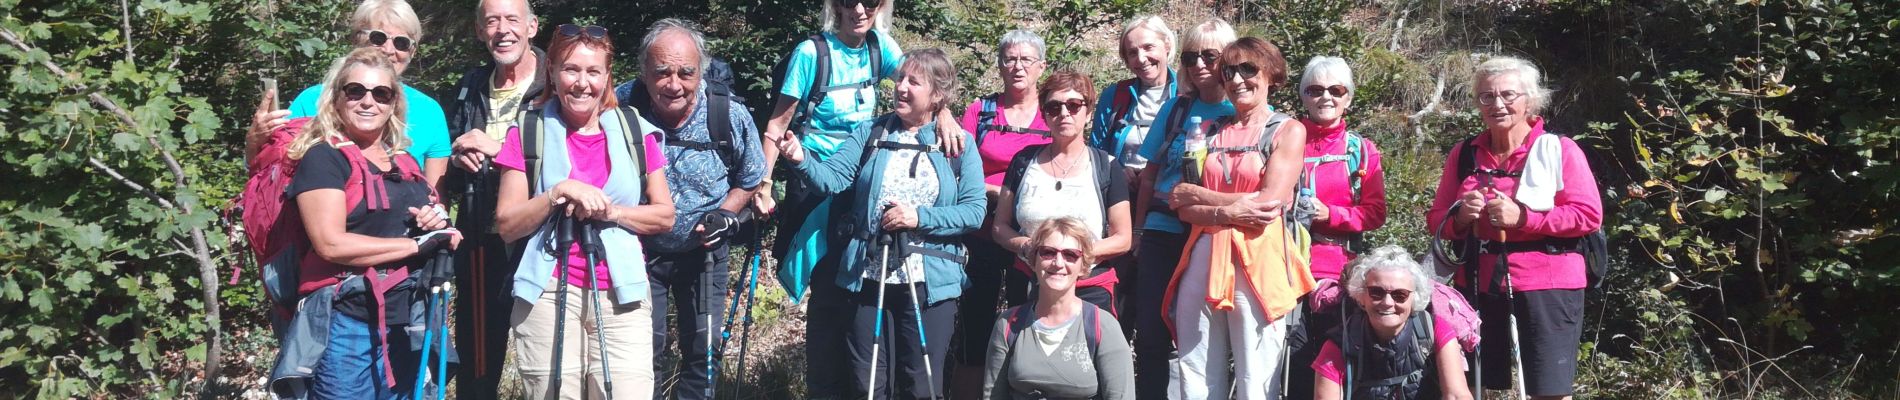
[[1328, 66], [1021, 37], [882, 22], [1527, 74], [659, 28], [1153, 23], [527, 6], [1390, 258], [936, 69]]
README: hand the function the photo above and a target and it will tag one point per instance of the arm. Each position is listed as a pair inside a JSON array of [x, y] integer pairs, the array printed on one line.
[[1145, 193], [1205, 207], [324, 218], [994, 385], [1114, 362], [1121, 233], [750, 176], [1326, 389], [1000, 229], [516, 214], [1369, 214], [838, 172], [1446, 197], [1578, 209], [967, 213], [1451, 371], [433, 168], [653, 218], [782, 111]]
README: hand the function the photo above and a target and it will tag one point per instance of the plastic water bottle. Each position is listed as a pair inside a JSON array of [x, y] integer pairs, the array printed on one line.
[[1195, 157]]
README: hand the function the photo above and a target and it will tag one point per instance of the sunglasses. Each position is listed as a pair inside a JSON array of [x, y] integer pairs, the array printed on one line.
[[1059, 108], [355, 91], [1243, 70], [1397, 295], [850, 4], [571, 30], [1204, 57], [1335, 90], [377, 38], [1047, 253]]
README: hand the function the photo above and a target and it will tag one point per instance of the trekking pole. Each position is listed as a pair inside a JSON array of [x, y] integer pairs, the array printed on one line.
[[428, 337], [916, 310], [1510, 301], [442, 359], [591, 246], [877, 328], [725, 331], [564, 239], [751, 294]]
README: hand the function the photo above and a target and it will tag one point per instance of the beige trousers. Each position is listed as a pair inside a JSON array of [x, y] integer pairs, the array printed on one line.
[[627, 328]]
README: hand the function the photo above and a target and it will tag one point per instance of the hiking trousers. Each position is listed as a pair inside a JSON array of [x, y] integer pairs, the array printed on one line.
[[1154, 345], [626, 327], [1209, 338], [484, 274], [694, 284]]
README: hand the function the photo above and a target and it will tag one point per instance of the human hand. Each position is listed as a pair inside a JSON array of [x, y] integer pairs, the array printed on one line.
[[898, 216], [473, 148], [1503, 212], [430, 217]]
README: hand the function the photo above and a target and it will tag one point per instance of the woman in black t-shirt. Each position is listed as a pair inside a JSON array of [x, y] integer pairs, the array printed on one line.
[[371, 221]]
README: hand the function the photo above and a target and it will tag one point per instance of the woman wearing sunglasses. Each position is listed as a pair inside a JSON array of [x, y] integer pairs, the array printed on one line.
[[1392, 346], [587, 171], [1245, 268], [1161, 235], [359, 197], [389, 26], [903, 258], [1341, 195], [1059, 346]]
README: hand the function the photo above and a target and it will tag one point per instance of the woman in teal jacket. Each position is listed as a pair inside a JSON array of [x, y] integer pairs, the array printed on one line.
[[903, 255]]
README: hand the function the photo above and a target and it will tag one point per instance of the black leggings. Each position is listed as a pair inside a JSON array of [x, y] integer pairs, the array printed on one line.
[[900, 342]]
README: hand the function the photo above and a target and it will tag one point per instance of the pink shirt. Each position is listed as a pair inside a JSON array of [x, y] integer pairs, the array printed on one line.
[[587, 152], [1332, 184], [1331, 363], [998, 148], [1578, 211]]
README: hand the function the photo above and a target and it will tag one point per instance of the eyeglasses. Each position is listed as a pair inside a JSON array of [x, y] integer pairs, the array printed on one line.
[[1243, 70], [1047, 253], [571, 30], [851, 4], [355, 91], [377, 38], [1397, 295], [1509, 96], [1204, 57], [1060, 108], [1335, 90], [1020, 62]]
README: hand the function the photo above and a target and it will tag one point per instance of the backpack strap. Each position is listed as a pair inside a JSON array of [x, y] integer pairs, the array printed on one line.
[[986, 122], [1355, 163], [1092, 325], [532, 146], [1177, 115], [636, 142], [820, 77]]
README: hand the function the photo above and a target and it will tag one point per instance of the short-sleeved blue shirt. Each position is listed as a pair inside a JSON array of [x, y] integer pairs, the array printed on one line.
[[1170, 173], [428, 127], [699, 179], [840, 111]]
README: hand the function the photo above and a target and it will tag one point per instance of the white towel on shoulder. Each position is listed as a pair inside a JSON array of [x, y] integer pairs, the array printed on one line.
[[1543, 174]]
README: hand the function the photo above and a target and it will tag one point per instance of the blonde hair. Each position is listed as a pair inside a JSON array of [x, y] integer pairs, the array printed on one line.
[[1527, 75], [396, 13], [1070, 227], [1154, 24], [880, 22], [1215, 34], [328, 122]]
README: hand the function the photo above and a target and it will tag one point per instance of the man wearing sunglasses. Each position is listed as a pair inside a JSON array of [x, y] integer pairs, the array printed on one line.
[[391, 26], [489, 98]]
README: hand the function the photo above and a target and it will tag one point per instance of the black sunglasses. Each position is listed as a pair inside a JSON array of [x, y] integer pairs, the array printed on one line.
[[1058, 107], [1244, 70], [850, 4], [377, 38], [1398, 295], [1335, 90], [1051, 253], [355, 91], [1204, 57], [571, 30]]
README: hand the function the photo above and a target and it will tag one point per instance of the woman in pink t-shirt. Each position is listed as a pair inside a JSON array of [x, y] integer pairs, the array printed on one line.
[[583, 168], [1384, 350]]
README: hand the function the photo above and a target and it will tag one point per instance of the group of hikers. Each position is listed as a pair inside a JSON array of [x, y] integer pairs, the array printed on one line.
[[1169, 235]]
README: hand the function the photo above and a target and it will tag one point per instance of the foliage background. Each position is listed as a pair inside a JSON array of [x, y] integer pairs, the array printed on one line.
[[1746, 149]]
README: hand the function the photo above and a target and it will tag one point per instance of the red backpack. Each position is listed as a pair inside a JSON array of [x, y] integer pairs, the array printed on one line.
[[276, 233]]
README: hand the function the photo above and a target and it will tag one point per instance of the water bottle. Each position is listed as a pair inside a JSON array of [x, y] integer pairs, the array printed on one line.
[[1195, 157]]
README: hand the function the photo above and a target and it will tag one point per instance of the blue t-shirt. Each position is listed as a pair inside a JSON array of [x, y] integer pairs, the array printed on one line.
[[1170, 173], [699, 179], [839, 111], [428, 127]]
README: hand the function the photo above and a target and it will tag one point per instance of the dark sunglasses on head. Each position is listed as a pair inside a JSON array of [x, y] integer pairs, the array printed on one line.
[[355, 91], [1050, 253], [1204, 57], [850, 4], [377, 38], [1398, 295], [1335, 90], [571, 30], [1058, 107], [1244, 70]]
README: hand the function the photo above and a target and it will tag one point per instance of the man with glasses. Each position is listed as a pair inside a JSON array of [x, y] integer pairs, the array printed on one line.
[[489, 100]]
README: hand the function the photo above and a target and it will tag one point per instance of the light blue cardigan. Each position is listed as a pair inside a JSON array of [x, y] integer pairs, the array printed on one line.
[[958, 210], [626, 261]]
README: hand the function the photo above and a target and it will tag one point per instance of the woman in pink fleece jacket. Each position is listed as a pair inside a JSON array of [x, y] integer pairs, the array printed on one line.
[[1519, 201]]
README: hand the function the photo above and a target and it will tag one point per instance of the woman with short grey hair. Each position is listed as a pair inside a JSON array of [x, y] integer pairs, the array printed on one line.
[[1391, 346]]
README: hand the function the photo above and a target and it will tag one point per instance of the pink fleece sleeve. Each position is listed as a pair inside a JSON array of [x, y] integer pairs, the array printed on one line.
[[656, 155], [969, 116], [1369, 214], [1449, 186], [1330, 364], [1578, 209]]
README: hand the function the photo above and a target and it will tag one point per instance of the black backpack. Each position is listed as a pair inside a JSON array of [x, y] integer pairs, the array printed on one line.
[[717, 80], [1353, 349], [1105, 170], [821, 74], [1594, 247], [1020, 318]]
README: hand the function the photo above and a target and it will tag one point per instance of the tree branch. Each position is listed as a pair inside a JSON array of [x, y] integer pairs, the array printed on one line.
[[114, 173], [125, 29], [1417, 119]]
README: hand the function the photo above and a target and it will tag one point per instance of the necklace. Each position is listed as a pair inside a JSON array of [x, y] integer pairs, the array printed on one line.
[[1065, 169]]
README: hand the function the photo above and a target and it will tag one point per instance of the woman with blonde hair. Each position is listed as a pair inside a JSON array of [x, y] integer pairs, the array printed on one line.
[[1059, 345]]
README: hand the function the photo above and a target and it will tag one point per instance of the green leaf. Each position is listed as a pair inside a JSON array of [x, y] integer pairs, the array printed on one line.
[[40, 299], [79, 281], [1714, 195], [88, 237], [127, 142]]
